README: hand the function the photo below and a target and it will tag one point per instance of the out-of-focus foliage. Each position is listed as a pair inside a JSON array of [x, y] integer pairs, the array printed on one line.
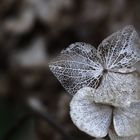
[[31, 33], [26, 132], [10, 113]]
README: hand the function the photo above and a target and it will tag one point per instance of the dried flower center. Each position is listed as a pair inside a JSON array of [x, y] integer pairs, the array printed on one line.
[[105, 71]]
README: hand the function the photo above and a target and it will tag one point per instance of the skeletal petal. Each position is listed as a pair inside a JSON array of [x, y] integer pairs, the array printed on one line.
[[120, 49], [127, 120], [77, 67], [118, 89], [94, 119], [124, 70]]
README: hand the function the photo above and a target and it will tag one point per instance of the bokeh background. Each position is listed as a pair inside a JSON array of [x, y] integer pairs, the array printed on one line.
[[32, 32]]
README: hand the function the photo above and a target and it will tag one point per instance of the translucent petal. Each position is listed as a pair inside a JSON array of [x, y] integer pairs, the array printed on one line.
[[137, 66], [125, 70], [120, 49], [77, 67], [114, 136], [127, 120], [93, 119], [118, 89]]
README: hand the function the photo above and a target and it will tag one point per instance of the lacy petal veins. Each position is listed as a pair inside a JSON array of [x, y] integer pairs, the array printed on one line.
[[81, 65], [103, 83]]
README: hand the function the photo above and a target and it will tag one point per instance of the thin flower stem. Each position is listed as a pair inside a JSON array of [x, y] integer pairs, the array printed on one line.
[[11, 132], [40, 111], [46, 116]]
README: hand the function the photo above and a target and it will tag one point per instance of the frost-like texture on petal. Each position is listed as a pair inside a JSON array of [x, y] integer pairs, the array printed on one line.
[[125, 70], [77, 67], [120, 49], [114, 136], [93, 119], [127, 120], [118, 89]]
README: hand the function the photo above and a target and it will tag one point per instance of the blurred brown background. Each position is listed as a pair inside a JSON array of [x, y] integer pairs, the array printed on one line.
[[32, 32]]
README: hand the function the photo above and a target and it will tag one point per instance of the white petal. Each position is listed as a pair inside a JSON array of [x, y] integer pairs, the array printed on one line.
[[93, 119], [120, 49], [118, 89], [77, 67], [125, 70], [114, 136], [127, 120]]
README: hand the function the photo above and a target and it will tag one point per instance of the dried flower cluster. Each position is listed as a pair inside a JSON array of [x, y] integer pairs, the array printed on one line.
[[104, 84]]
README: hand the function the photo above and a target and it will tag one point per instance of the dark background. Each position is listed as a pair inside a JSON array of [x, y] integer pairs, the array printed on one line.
[[32, 32]]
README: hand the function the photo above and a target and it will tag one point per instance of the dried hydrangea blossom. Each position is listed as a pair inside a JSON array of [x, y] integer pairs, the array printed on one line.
[[81, 65], [96, 119]]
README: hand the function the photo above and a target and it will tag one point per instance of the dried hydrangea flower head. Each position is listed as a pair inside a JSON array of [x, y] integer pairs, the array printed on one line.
[[81, 65], [96, 119], [103, 83]]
